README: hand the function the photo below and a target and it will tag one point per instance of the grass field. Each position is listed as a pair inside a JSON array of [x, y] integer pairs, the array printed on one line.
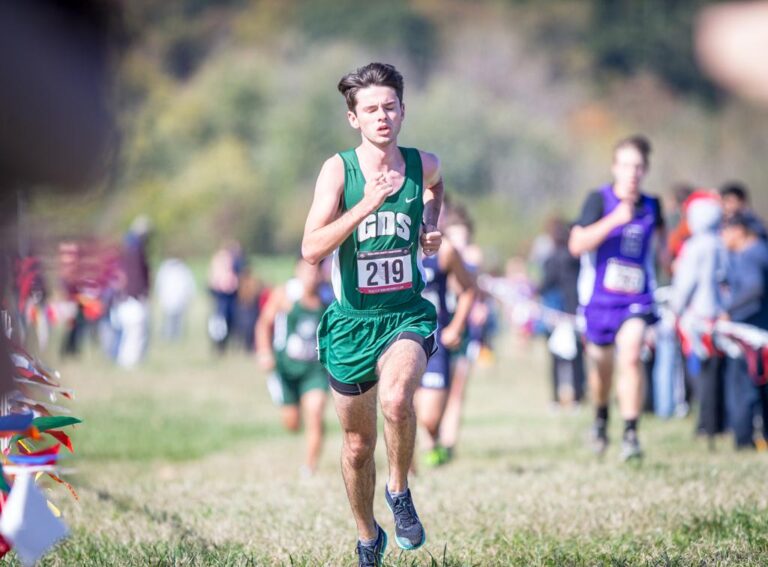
[[182, 462]]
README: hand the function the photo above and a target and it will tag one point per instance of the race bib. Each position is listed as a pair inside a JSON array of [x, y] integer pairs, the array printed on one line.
[[384, 271], [298, 348], [621, 277]]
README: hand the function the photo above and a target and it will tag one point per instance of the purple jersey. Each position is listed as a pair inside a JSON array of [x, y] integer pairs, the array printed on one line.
[[620, 272]]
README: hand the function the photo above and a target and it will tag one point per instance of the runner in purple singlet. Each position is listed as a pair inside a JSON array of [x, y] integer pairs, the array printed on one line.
[[617, 236]]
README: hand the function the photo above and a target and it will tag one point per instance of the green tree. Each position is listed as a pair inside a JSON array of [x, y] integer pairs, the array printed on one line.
[[627, 36]]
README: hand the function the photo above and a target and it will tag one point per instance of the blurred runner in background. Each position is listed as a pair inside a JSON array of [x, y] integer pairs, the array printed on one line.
[[286, 335], [452, 316], [617, 237]]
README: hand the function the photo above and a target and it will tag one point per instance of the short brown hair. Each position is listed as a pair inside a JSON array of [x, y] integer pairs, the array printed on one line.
[[637, 141], [373, 74]]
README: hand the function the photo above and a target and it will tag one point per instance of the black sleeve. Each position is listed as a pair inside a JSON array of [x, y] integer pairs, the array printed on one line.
[[592, 211], [658, 221], [549, 275]]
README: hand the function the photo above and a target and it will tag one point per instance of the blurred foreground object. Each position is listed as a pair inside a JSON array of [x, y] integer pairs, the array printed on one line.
[[55, 65], [30, 441], [27, 522], [732, 43], [57, 125]]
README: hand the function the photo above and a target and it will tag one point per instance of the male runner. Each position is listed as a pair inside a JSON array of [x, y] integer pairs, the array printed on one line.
[[615, 238], [458, 231], [431, 398], [373, 206], [286, 335]]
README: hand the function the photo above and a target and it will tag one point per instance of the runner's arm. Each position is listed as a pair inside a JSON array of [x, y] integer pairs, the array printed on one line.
[[431, 238], [587, 236], [433, 188], [325, 228], [468, 293], [265, 328], [660, 237]]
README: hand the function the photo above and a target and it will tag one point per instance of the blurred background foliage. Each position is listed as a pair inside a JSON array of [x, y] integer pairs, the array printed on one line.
[[229, 108]]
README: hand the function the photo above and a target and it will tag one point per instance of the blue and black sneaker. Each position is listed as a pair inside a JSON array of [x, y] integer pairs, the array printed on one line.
[[372, 555], [409, 533]]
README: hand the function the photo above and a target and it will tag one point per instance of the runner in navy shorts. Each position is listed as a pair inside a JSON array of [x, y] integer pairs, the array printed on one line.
[[431, 397], [617, 236]]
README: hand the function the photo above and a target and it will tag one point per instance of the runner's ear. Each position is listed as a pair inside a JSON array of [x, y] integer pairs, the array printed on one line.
[[353, 121]]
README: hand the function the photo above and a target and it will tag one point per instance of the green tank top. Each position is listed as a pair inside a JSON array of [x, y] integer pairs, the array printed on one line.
[[295, 341], [379, 265]]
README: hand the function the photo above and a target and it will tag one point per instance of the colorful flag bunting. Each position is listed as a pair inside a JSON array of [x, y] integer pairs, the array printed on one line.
[[27, 522], [16, 422]]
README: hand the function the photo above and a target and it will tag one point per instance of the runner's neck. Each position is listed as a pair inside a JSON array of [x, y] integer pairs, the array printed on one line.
[[621, 194], [376, 157]]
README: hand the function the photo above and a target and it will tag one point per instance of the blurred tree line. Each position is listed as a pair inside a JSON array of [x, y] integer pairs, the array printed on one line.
[[228, 109], [628, 36]]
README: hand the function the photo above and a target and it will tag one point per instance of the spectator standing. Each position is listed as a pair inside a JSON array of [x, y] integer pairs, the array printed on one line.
[[69, 269], [248, 296], [700, 271], [671, 387], [223, 283], [735, 197], [175, 288], [559, 290], [747, 303], [543, 246], [676, 223], [132, 309]]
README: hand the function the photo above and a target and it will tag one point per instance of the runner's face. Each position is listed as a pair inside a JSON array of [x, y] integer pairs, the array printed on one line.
[[378, 114], [628, 170]]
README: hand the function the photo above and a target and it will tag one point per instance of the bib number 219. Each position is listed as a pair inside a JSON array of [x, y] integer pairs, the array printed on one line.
[[384, 271]]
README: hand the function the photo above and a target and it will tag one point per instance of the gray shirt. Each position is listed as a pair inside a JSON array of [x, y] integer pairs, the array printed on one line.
[[699, 274]]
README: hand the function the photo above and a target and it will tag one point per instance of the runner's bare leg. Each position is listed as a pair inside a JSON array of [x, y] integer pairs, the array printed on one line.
[[357, 416], [400, 369]]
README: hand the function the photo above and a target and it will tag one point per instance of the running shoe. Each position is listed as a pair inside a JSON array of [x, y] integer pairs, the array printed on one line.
[[630, 447], [372, 555], [599, 438], [436, 457], [409, 533]]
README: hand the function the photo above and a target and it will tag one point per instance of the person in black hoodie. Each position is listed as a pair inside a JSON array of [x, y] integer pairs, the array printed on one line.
[[558, 290]]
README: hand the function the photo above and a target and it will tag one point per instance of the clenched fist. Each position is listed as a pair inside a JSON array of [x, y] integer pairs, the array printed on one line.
[[624, 212], [430, 239], [377, 190]]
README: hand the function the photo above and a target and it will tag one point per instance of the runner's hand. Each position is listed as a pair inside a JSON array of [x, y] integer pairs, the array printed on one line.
[[623, 213], [266, 361], [377, 190], [431, 239], [450, 337]]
